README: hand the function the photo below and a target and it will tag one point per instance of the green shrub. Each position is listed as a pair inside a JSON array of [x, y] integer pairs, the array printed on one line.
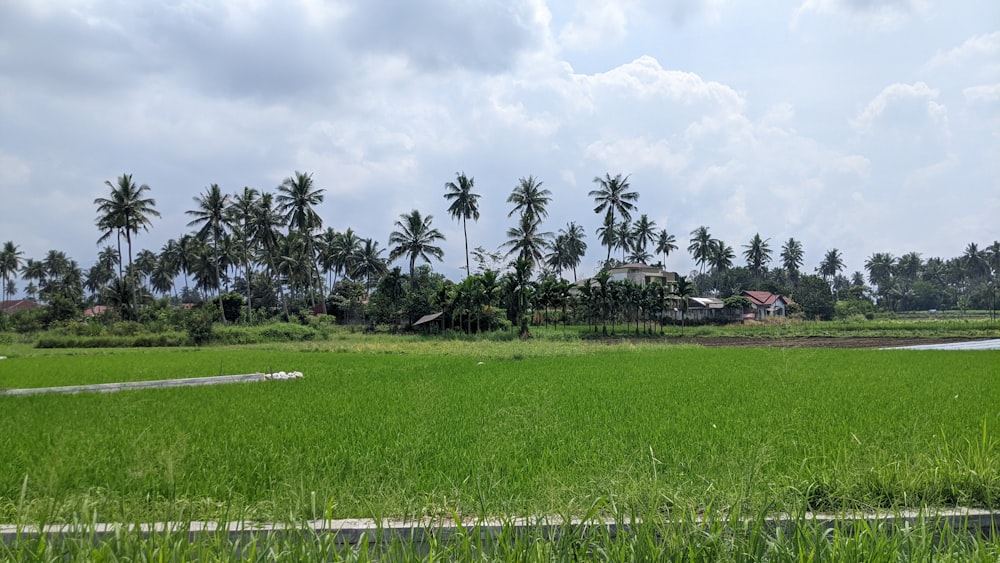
[[277, 332], [164, 339]]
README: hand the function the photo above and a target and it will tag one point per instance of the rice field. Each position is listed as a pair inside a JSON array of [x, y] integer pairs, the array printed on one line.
[[405, 428]]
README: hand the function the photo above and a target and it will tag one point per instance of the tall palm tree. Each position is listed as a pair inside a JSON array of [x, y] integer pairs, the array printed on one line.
[[881, 266], [623, 237], [758, 254], [576, 248], [297, 199], [145, 262], [665, 244], [368, 263], [526, 241], [212, 215], [265, 227], [975, 262], [10, 264], [607, 235], [683, 290], [701, 247], [722, 255], [344, 250], [791, 258], [643, 232], [558, 256], [613, 196], [125, 211], [241, 211], [831, 265], [464, 206], [529, 198], [415, 238]]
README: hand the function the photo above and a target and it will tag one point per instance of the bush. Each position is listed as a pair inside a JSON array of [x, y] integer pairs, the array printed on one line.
[[277, 332], [165, 339], [198, 324]]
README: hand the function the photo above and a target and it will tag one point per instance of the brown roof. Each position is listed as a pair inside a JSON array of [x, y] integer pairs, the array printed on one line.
[[17, 305], [763, 297]]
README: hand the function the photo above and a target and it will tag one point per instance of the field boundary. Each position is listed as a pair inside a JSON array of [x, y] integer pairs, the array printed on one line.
[[353, 531], [154, 384]]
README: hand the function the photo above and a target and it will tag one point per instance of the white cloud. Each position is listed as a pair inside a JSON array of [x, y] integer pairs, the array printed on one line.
[[900, 102], [986, 45]]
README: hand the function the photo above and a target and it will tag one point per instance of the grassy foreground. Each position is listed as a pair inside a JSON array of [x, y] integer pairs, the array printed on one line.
[[400, 427]]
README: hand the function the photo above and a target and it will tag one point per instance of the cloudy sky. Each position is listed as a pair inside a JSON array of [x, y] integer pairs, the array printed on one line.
[[863, 125]]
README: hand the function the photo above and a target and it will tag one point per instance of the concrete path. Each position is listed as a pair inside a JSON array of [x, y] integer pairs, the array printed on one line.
[[158, 384], [970, 345], [353, 531]]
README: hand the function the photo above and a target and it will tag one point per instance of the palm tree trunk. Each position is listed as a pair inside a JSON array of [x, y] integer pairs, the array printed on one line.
[[466, 233]]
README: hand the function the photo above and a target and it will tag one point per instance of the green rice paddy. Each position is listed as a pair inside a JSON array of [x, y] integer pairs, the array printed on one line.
[[408, 427]]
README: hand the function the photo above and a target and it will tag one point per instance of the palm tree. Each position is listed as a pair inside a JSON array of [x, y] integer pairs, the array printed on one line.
[[643, 232], [145, 263], [529, 198], [415, 238], [665, 244], [525, 240], [683, 290], [975, 262], [758, 254], [559, 257], [722, 256], [613, 196], [831, 265], [368, 264], [125, 211], [607, 235], [265, 225], [297, 199], [791, 258], [623, 238], [10, 264], [34, 270], [213, 217], [701, 247], [464, 205], [242, 212], [881, 266], [576, 248], [909, 265], [345, 248]]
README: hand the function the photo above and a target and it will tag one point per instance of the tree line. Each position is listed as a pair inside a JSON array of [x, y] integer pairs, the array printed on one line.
[[261, 254]]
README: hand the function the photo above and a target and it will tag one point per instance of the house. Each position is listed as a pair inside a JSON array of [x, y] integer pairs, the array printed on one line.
[[13, 306], [698, 309], [766, 304], [642, 274], [95, 311]]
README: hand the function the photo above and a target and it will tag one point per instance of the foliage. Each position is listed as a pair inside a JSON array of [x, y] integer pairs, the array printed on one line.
[[198, 323], [814, 297]]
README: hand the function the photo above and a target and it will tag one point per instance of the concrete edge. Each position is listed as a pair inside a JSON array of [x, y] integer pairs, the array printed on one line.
[[152, 384], [356, 530]]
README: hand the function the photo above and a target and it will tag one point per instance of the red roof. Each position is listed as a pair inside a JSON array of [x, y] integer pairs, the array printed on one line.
[[763, 297], [95, 310], [17, 305]]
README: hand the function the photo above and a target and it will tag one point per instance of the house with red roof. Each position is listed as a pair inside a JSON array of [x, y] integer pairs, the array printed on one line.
[[13, 306], [766, 304]]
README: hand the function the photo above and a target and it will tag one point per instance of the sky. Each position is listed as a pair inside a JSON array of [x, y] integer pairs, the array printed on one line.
[[865, 126]]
